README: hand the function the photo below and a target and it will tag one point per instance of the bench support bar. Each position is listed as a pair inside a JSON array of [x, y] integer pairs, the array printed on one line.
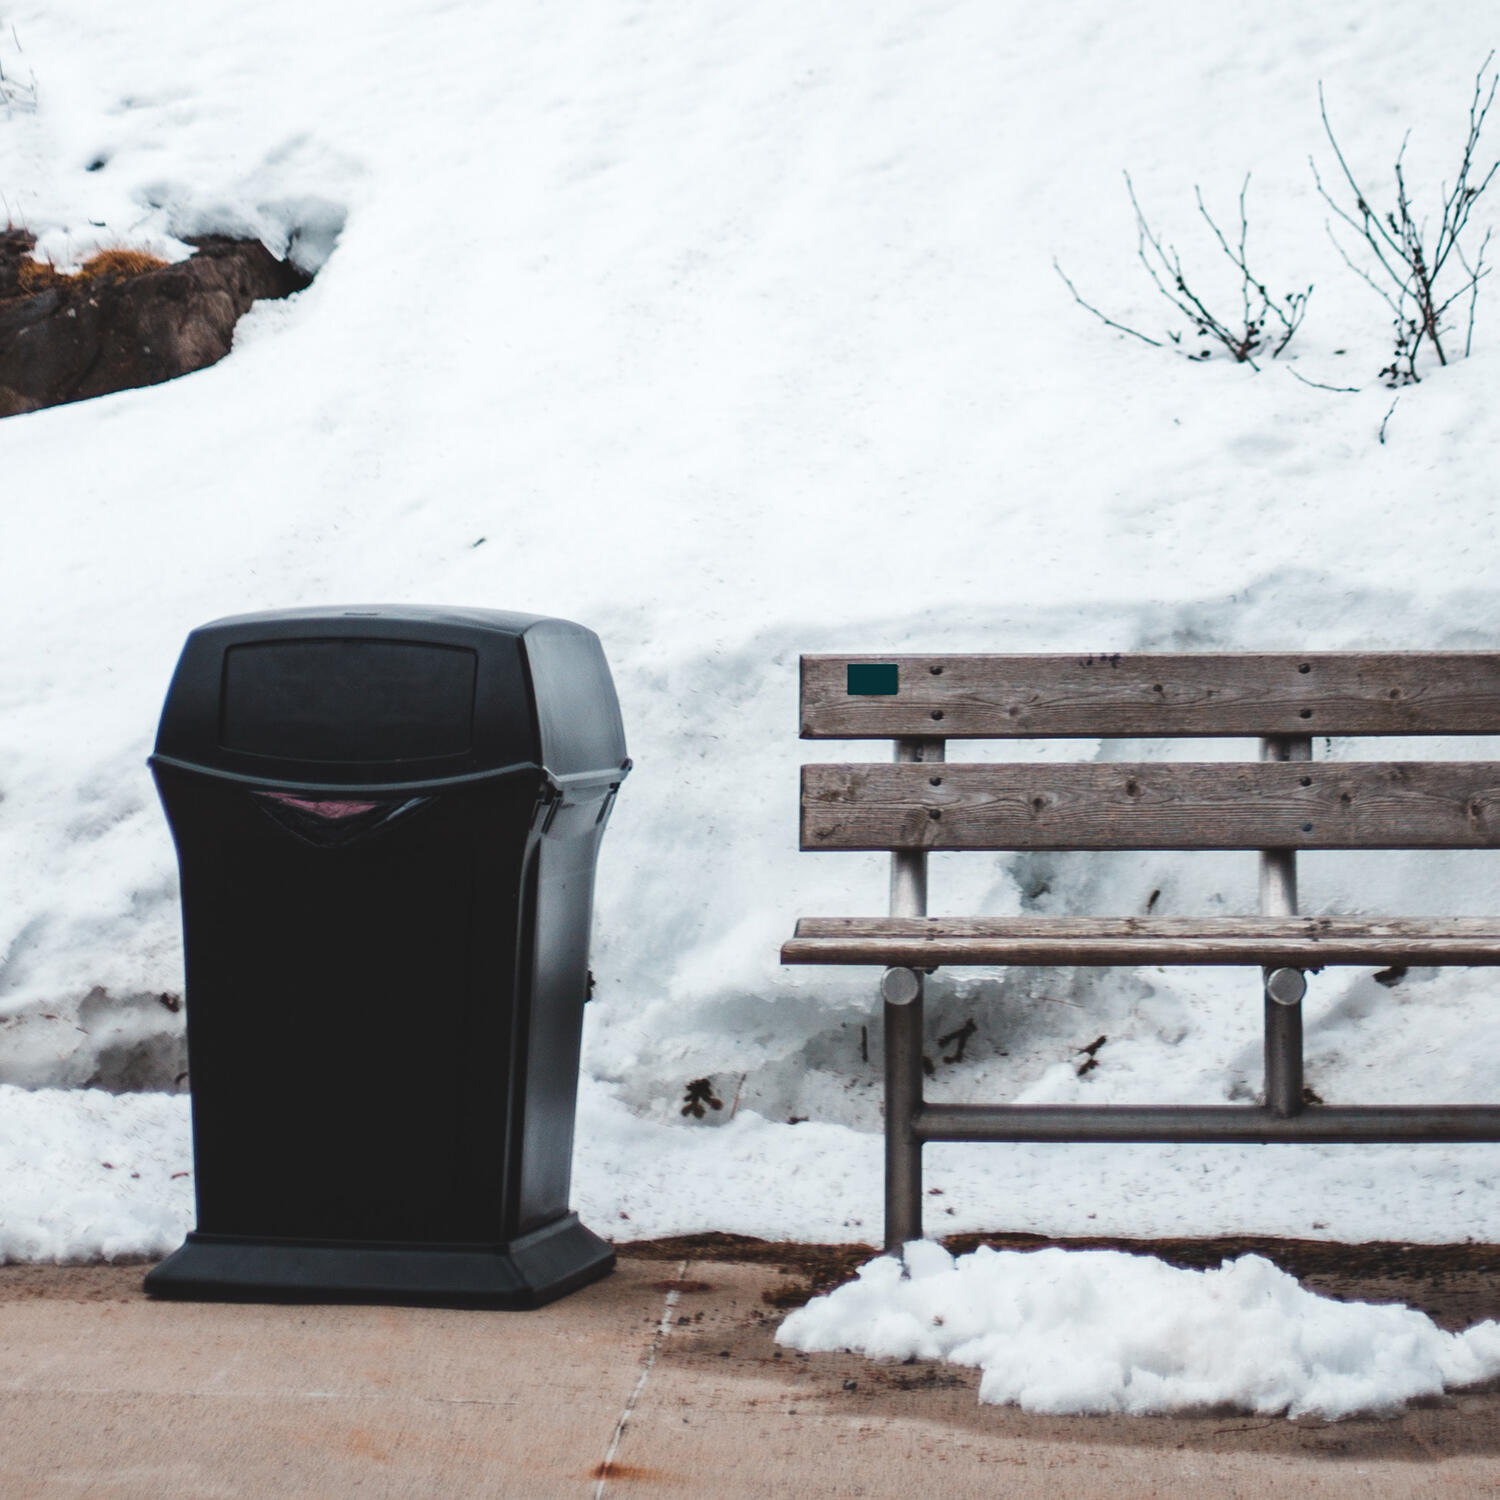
[[1232, 1124]]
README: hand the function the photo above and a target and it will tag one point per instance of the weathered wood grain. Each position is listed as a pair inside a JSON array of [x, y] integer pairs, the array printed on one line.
[[1151, 695], [1154, 805], [1301, 942], [1311, 928]]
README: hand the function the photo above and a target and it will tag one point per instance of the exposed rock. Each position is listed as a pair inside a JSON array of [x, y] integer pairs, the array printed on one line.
[[116, 325]]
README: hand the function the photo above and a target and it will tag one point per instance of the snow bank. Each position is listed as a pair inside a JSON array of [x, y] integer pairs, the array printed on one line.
[[639, 1178], [87, 1174], [1099, 1331], [733, 333]]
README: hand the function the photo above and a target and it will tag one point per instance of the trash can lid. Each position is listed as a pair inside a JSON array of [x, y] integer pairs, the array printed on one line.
[[375, 695]]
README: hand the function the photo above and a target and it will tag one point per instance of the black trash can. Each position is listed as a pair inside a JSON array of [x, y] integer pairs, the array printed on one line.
[[386, 822]]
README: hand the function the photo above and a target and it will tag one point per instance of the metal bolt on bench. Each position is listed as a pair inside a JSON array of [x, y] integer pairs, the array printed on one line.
[[1283, 803]]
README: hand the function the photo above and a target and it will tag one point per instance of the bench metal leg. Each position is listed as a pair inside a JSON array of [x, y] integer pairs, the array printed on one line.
[[1283, 987], [903, 1098], [1283, 1051], [901, 989]]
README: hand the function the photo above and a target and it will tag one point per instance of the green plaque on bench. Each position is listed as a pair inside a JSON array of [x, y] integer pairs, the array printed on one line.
[[871, 679]]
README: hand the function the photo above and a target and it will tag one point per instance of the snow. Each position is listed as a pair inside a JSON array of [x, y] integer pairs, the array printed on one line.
[[1097, 1331], [89, 1174], [638, 1178], [733, 333]]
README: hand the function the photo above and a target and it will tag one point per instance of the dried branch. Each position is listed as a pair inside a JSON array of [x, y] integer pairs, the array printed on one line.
[[1244, 337], [1475, 273], [1347, 390], [1257, 305], [1413, 262], [1091, 308], [1290, 319], [1150, 250]]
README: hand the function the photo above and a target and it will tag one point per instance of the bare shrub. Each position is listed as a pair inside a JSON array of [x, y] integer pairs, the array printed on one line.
[[1418, 276], [1263, 325]]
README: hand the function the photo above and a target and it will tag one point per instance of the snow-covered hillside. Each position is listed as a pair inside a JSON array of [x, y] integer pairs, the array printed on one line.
[[732, 331]]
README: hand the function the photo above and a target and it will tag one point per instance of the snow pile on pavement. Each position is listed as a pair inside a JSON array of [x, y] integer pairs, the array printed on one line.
[[1099, 1331]]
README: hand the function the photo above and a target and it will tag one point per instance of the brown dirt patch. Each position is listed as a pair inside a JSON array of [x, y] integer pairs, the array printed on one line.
[[98, 1281], [125, 319], [1456, 1285]]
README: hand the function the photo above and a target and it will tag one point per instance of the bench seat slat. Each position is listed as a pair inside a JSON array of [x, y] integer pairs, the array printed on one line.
[[1209, 927], [1301, 942], [997, 696], [1153, 805]]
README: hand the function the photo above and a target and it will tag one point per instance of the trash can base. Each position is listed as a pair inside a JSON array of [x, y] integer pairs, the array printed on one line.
[[530, 1271]]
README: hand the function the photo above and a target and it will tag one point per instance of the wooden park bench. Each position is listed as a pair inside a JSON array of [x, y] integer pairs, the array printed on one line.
[[1284, 802]]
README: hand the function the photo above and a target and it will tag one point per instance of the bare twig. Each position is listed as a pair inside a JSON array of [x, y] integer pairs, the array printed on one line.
[[1412, 261], [1244, 337], [1091, 308], [1291, 317], [1359, 270], [1475, 273], [739, 1089], [1386, 418], [1162, 260], [1351, 390]]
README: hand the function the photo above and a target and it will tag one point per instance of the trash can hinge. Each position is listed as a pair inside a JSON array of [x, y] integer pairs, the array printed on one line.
[[606, 804], [550, 805]]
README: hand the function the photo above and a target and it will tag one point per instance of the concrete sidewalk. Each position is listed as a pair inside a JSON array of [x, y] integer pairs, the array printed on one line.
[[661, 1380]]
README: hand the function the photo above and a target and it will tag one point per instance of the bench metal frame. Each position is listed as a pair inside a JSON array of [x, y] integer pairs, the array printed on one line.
[[1470, 704]]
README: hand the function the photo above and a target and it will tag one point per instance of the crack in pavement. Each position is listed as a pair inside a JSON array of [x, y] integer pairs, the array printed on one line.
[[662, 1329]]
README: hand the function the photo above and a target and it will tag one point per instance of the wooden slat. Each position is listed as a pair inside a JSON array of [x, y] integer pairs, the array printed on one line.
[[915, 953], [1302, 942], [1439, 929], [1155, 805], [1145, 696]]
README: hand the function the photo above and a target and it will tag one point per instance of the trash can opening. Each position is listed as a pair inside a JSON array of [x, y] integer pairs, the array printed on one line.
[[348, 699], [321, 808]]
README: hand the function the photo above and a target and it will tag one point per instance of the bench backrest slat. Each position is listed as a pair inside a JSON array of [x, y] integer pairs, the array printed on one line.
[[1154, 805], [1149, 696]]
